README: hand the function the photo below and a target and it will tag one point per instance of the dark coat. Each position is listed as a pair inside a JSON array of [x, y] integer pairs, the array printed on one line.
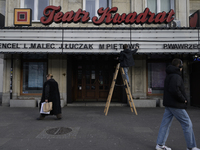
[[51, 92], [126, 58], [174, 91]]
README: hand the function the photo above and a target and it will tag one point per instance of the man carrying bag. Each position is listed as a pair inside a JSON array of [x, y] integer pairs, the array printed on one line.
[[50, 94]]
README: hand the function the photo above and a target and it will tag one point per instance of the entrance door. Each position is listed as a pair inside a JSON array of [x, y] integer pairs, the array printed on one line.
[[194, 84], [93, 77]]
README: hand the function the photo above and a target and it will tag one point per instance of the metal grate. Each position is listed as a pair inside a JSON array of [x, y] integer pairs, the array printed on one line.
[[58, 131]]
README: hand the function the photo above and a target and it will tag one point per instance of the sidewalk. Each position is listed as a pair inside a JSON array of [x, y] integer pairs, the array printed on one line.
[[90, 129]]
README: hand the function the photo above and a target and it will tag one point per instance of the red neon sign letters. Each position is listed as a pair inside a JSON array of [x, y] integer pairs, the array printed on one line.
[[53, 14]]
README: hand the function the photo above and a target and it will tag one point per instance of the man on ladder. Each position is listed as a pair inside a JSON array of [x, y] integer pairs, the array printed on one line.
[[126, 59]]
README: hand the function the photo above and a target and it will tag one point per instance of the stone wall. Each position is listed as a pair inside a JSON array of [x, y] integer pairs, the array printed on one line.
[[138, 76], [182, 12], [6, 82], [58, 67], [194, 6]]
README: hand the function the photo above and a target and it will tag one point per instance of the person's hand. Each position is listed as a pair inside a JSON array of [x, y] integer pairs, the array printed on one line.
[[185, 101], [136, 47]]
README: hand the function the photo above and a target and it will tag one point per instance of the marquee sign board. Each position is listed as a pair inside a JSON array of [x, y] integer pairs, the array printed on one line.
[[107, 16], [98, 40]]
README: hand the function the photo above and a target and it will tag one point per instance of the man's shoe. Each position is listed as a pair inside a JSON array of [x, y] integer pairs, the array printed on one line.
[[163, 147], [194, 148], [40, 118], [59, 117]]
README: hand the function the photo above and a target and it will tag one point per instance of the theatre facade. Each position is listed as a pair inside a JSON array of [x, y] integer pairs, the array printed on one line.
[[82, 58]]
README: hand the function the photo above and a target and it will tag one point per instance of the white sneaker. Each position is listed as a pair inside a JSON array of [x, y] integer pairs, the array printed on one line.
[[194, 148], [158, 147]]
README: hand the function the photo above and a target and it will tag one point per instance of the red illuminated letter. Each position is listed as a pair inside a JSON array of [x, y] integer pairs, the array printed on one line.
[[58, 17], [151, 18], [130, 18], [142, 17], [68, 17], [170, 14], [160, 17], [78, 17], [104, 14], [119, 19], [49, 12]]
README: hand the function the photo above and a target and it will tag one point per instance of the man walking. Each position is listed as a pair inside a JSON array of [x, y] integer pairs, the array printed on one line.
[[175, 102], [51, 94]]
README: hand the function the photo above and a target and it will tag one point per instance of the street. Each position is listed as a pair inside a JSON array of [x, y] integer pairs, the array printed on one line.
[[87, 128]]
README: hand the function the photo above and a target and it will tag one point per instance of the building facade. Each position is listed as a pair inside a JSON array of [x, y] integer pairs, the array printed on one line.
[[81, 56]]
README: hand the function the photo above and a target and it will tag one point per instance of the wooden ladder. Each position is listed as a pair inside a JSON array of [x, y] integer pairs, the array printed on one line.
[[127, 89]]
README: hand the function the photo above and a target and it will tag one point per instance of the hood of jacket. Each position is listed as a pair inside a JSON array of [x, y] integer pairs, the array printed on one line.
[[173, 70], [127, 51]]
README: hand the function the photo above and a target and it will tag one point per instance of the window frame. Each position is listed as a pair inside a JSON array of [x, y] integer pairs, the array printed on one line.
[[35, 10], [21, 80], [96, 7], [158, 8]]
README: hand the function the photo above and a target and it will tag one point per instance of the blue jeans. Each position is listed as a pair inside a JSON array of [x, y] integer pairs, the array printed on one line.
[[126, 73], [182, 116]]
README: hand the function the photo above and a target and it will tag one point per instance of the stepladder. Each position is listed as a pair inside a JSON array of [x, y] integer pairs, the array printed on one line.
[[127, 89]]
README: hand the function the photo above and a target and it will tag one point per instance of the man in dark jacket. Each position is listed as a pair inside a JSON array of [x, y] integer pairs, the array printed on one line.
[[126, 59], [51, 94], [175, 102]]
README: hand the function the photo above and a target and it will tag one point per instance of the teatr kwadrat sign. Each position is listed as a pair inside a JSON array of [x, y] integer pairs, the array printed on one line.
[[53, 14], [99, 40]]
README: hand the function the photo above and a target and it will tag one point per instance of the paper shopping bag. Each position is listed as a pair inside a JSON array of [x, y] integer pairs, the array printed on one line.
[[47, 107]]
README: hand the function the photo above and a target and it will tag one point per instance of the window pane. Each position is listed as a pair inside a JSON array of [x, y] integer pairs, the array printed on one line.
[[87, 77], [42, 4], [165, 5], [103, 3], [110, 3], [152, 5], [34, 76], [156, 77], [30, 4], [90, 7], [2, 7]]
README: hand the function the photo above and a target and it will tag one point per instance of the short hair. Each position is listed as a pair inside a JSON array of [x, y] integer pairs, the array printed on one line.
[[49, 75], [125, 46], [177, 62]]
